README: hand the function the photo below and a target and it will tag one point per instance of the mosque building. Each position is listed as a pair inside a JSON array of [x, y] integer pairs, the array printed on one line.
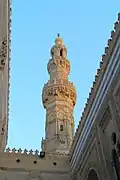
[[93, 152]]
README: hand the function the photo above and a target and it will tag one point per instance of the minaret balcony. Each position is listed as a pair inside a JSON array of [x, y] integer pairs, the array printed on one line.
[[58, 92]]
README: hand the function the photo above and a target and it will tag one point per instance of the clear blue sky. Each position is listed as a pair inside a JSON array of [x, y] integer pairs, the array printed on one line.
[[85, 27]]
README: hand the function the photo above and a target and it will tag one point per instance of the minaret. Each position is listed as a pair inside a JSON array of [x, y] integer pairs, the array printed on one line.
[[59, 98]]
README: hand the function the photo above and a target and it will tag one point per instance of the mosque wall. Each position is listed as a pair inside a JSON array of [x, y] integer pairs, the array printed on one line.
[[97, 140]]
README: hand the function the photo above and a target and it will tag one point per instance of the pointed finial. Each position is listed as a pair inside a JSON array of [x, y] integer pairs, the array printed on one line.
[[58, 40]]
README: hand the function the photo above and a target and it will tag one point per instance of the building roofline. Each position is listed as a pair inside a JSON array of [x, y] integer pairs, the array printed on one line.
[[98, 78]]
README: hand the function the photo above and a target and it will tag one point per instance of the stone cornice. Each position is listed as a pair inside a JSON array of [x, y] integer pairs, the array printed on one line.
[[98, 79]]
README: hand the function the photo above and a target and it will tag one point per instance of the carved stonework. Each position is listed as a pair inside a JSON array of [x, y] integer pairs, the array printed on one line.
[[59, 91], [3, 53], [59, 98], [88, 168], [58, 50], [60, 64]]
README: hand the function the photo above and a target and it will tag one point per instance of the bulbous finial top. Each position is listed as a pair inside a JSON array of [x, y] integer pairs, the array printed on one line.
[[58, 50], [58, 40]]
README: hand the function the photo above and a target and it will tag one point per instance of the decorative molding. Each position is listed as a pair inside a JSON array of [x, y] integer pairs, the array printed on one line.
[[59, 81], [59, 64], [59, 91], [89, 167]]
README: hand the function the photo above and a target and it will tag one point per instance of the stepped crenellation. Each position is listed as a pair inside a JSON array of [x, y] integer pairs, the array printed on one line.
[[32, 152], [100, 72]]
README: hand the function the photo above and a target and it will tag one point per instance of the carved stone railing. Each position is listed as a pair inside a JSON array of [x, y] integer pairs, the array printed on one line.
[[59, 81], [60, 91]]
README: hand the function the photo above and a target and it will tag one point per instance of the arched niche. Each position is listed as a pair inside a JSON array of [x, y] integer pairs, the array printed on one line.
[[92, 175]]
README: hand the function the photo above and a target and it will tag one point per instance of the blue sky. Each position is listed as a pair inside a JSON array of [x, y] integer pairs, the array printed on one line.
[[85, 27]]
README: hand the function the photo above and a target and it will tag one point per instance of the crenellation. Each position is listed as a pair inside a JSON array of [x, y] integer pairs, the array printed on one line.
[[14, 150], [107, 50], [109, 42], [96, 76], [33, 152], [105, 59], [112, 34], [116, 25], [101, 64]]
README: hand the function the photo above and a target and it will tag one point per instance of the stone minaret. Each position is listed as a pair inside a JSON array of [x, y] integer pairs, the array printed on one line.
[[59, 98]]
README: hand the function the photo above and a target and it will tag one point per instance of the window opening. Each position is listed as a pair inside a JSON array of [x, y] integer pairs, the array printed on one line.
[[61, 127], [61, 52]]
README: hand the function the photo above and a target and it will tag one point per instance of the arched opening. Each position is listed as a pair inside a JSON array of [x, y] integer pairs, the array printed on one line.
[[92, 175], [61, 127], [52, 53], [61, 52]]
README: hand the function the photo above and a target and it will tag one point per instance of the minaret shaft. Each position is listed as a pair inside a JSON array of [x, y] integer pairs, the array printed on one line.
[[59, 97]]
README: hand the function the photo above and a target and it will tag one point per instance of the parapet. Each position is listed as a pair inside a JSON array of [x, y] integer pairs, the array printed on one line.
[[13, 159]]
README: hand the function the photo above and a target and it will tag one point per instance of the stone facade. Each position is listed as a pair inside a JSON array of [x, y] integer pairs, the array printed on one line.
[[93, 153], [28, 165]]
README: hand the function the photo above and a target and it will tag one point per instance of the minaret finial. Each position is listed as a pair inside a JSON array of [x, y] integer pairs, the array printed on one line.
[[58, 40]]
